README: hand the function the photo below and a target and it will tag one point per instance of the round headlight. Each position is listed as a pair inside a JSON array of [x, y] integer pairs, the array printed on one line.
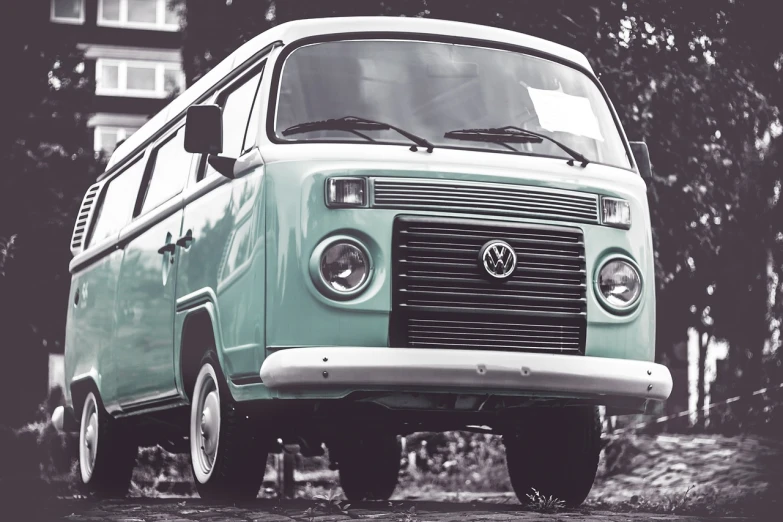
[[344, 267], [619, 284]]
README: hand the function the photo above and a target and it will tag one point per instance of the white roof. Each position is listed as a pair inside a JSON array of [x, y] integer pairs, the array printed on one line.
[[292, 31]]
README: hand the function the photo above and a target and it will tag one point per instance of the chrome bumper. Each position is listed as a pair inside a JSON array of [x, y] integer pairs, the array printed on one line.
[[357, 368]]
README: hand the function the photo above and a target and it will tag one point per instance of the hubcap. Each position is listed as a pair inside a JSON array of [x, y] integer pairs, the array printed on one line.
[[210, 419], [205, 424], [89, 438]]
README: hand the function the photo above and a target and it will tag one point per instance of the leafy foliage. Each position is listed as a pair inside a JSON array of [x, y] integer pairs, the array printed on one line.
[[47, 166]]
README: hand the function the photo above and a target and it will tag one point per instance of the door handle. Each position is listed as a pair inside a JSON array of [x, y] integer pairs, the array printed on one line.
[[168, 248], [185, 240]]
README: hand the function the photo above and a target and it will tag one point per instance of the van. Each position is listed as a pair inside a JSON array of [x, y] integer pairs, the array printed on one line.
[[353, 229]]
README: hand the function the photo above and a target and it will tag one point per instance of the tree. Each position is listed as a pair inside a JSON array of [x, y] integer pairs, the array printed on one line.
[[47, 165]]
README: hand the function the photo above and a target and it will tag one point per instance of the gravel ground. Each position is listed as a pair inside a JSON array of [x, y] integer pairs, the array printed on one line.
[[173, 510]]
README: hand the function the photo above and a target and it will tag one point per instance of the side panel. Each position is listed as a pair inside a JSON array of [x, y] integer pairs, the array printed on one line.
[[144, 341], [91, 324]]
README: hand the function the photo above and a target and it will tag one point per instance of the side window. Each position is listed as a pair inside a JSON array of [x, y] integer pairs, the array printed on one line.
[[170, 166], [118, 202], [236, 110]]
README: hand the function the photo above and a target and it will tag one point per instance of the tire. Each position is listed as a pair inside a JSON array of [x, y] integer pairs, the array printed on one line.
[[369, 466], [227, 459], [557, 454], [107, 456]]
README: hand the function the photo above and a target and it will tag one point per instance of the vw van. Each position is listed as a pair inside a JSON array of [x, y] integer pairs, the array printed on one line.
[[353, 229]]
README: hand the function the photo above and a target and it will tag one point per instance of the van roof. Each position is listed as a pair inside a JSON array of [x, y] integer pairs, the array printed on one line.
[[298, 29]]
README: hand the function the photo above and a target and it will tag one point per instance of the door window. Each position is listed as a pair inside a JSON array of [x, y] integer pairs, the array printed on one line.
[[239, 107], [171, 164], [236, 110], [118, 202]]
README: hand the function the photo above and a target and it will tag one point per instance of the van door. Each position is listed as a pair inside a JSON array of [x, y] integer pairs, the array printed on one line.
[[227, 253], [144, 341]]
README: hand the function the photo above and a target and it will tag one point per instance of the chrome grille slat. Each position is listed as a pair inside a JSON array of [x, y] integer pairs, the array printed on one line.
[[500, 307], [506, 293], [538, 283], [495, 335], [442, 298], [484, 198]]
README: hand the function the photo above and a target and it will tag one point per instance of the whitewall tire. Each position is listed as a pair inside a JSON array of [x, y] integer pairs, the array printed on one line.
[[227, 459], [107, 456]]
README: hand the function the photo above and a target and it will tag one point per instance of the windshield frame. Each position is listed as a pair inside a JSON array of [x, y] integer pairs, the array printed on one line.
[[274, 94]]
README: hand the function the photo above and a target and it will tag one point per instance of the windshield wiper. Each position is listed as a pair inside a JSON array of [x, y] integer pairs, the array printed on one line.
[[510, 134], [354, 125]]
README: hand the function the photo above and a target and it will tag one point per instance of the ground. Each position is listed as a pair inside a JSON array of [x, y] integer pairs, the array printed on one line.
[[191, 510], [664, 477]]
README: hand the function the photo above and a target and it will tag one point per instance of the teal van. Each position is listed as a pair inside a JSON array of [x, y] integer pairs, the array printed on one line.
[[353, 229]]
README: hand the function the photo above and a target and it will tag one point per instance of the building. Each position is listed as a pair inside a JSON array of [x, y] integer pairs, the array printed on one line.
[[133, 50]]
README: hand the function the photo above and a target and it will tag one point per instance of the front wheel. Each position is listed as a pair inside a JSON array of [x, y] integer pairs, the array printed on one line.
[[228, 461], [369, 466], [106, 455], [556, 453]]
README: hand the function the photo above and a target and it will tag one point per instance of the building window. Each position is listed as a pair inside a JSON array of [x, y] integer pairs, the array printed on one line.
[[107, 138], [138, 14], [138, 79], [68, 11]]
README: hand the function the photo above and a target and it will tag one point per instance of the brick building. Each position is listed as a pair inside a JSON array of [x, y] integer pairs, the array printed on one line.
[[133, 50]]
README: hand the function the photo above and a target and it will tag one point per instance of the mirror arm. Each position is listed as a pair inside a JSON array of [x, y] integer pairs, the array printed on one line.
[[223, 164]]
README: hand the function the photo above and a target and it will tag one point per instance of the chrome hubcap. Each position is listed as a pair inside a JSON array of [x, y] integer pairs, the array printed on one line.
[[205, 424], [210, 425], [89, 438]]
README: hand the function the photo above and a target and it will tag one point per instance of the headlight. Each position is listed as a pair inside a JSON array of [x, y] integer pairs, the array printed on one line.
[[346, 192], [619, 284], [615, 212], [344, 267]]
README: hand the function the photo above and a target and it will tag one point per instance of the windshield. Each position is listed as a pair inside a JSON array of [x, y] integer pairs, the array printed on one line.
[[431, 88]]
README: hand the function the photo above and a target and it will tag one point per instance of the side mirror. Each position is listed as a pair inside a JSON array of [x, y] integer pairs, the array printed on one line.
[[641, 155], [204, 129]]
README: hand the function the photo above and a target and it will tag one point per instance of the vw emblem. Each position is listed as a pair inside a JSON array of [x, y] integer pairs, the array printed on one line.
[[498, 259]]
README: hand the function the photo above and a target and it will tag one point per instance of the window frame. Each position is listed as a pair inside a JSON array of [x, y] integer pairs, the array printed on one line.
[[219, 99], [159, 24], [122, 78], [111, 239], [149, 171], [60, 20], [289, 48]]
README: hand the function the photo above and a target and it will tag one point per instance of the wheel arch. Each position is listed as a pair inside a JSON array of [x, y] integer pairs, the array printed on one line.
[[81, 386], [199, 332]]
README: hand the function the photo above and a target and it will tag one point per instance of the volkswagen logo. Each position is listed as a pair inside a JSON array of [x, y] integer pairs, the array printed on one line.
[[498, 259]]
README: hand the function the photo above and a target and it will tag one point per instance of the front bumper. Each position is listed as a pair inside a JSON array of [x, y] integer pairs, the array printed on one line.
[[308, 371]]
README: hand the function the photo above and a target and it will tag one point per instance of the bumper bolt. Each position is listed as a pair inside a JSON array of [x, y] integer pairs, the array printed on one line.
[[325, 374], [649, 387], [649, 372], [326, 359]]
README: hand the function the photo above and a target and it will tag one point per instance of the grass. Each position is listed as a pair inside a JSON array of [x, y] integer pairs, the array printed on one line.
[[543, 503]]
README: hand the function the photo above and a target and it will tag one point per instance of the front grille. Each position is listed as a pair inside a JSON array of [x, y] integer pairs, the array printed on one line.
[[494, 333], [442, 298], [485, 198]]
